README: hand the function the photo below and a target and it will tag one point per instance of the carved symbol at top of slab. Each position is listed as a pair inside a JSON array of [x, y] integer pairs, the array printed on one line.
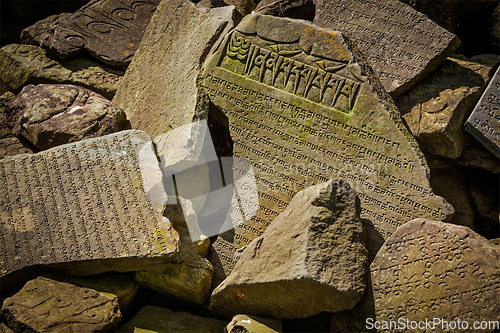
[[83, 203], [484, 122], [110, 30], [303, 107], [400, 44]]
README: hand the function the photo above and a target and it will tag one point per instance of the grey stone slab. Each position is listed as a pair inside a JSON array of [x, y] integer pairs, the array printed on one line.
[[400, 44], [303, 108], [484, 121], [110, 30], [158, 92], [430, 269], [91, 206]]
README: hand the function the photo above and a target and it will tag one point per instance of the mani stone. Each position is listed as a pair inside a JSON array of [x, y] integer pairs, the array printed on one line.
[[436, 109], [484, 122], [110, 30], [400, 44], [430, 269], [90, 207], [46, 305], [49, 115], [303, 108], [32, 34], [252, 324], [153, 319], [309, 260], [158, 92], [28, 64]]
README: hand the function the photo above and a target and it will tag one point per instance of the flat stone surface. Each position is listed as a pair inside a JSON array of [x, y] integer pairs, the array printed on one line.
[[32, 34], [48, 115], [92, 206], [436, 109], [311, 259], [174, 47], [400, 44], [46, 305], [110, 30], [28, 64], [484, 122], [430, 269], [315, 111], [153, 319]]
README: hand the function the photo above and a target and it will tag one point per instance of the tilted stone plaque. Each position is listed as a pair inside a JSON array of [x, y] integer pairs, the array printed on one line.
[[400, 44], [430, 269], [94, 205], [303, 108], [109, 30], [484, 122]]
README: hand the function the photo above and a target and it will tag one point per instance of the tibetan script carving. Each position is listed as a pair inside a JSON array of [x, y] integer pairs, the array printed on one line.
[[90, 200], [400, 44], [484, 122], [430, 269], [302, 107], [110, 30]]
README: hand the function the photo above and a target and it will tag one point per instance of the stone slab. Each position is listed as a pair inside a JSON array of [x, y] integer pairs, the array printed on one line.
[[91, 206], [47, 305], [400, 44], [110, 30], [158, 92], [430, 269], [484, 122], [304, 107]]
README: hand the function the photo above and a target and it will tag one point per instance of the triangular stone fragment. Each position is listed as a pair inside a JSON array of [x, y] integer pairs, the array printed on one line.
[[84, 208], [301, 123]]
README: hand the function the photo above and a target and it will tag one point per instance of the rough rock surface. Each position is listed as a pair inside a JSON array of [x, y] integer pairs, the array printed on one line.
[[252, 324], [84, 208], [298, 9], [495, 25], [153, 319], [400, 44], [310, 259], [109, 30], [28, 64], [430, 269], [112, 284], [49, 115], [32, 34], [46, 305], [436, 109], [166, 58], [313, 110]]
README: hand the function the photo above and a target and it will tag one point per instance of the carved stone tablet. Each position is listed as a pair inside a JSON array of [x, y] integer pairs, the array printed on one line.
[[430, 269], [303, 107], [109, 30], [94, 206], [400, 44], [484, 122]]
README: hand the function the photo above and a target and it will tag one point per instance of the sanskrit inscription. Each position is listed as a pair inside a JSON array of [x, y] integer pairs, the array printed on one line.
[[430, 269], [401, 45], [303, 108], [89, 200], [484, 122]]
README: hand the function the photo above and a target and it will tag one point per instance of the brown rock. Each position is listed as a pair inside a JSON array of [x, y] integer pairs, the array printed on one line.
[[298, 9], [252, 324], [110, 30], [400, 44], [296, 270], [32, 34], [46, 305], [430, 269], [436, 109], [27, 64], [173, 64], [84, 208], [49, 115], [313, 110]]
